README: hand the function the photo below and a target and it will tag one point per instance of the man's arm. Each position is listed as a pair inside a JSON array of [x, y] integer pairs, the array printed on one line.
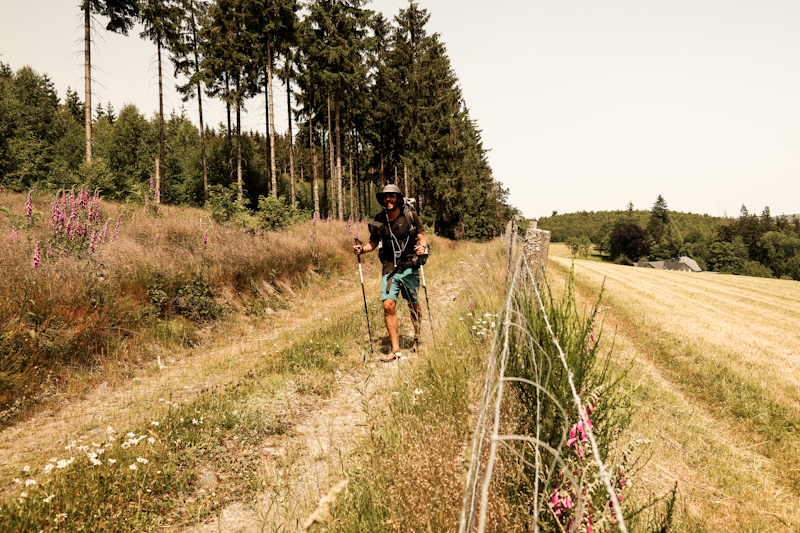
[[422, 243], [359, 249]]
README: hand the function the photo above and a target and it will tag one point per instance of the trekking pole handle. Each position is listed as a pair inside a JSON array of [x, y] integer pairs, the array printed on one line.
[[360, 273]]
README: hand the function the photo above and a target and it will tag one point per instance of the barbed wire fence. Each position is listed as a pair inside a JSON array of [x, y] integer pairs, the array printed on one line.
[[555, 477]]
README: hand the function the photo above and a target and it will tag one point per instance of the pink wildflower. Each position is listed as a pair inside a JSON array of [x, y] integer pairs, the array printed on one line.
[[205, 238], [91, 242], [116, 227], [37, 256], [152, 187], [29, 209], [105, 233], [13, 234]]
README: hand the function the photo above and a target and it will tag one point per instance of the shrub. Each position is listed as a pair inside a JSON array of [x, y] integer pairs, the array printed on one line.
[[223, 204], [274, 213]]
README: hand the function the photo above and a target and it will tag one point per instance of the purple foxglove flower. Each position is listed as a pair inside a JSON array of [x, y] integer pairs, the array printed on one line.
[[29, 209], [205, 238], [37, 256]]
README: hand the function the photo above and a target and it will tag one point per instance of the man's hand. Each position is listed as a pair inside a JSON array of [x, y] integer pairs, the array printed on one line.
[[358, 249], [419, 248]]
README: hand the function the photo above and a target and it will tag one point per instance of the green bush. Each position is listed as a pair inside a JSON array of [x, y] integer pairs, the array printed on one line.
[[274, 213], [223, 204]]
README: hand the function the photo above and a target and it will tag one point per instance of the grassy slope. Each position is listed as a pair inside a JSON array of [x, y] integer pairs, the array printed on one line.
[[715, 360]]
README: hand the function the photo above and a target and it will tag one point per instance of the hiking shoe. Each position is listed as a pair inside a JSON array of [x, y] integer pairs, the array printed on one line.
[[391, 356]]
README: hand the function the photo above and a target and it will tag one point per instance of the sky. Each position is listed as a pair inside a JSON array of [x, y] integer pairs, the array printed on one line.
[[584, 105]]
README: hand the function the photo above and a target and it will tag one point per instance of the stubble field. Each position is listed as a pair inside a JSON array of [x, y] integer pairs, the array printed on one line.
[[715, 360]]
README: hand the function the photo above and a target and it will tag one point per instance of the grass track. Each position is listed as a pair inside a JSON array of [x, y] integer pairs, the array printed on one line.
[[716, 358]]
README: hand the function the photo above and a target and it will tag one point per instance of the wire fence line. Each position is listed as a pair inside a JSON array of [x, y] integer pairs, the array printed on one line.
[[526, 272]]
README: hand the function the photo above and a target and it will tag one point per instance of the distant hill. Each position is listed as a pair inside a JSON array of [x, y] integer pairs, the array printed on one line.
[[595, 224]]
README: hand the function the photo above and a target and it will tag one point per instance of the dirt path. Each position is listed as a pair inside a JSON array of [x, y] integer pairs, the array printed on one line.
[[297, 468], [301, 467]]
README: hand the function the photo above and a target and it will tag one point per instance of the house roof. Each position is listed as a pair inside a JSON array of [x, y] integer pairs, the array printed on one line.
[[686, 264], [691, 262]]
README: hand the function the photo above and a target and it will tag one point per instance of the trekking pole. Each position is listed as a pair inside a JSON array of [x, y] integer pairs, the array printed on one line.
[[427, 302], [366, 311]]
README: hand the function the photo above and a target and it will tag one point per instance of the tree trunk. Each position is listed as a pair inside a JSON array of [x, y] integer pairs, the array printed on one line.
[[271, 123], [87, 79], [339, 182], [383, 174], [161, 196], [313, 165], [405, 179], [239, 180], [330, 149], [200, 108], [325, 203], [353, 212], [266, 114], [228, 144], [291, 137]]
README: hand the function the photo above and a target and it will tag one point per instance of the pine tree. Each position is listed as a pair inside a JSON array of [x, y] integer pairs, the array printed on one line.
[[161, 20], [121, 15], [186, 60], [228, 65], [272, 26]]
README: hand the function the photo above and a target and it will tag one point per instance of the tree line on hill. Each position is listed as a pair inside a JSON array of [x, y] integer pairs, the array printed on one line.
[[751, 245], [371, 101]]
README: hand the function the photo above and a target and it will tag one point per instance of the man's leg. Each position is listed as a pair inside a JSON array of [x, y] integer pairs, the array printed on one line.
[[390, 317]]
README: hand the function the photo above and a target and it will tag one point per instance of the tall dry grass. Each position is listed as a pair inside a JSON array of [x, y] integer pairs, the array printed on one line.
[[79, 307]]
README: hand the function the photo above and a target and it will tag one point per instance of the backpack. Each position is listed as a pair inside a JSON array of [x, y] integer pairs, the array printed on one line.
[[379, 230]]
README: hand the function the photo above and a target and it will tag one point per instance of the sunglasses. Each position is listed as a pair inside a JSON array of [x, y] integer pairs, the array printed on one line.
[[390, 195]]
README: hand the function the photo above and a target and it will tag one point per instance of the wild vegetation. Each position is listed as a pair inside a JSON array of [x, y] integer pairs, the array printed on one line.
[[370, 101], [712, 360], [760, 246], [88, 281]]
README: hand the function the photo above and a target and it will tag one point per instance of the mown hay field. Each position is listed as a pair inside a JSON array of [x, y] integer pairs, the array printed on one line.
[[715, 361]]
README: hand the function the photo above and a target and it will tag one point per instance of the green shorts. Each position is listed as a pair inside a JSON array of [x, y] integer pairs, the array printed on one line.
[[405, 283]]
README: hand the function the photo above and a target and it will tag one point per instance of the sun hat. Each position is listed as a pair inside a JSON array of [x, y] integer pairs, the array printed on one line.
[[390, 188]]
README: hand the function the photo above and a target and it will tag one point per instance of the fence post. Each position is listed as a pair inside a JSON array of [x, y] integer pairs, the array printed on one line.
[[511, 244], [157, 191], [535, 248]]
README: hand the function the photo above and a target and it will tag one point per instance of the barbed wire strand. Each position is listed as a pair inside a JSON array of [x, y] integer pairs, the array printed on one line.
[[470, 492], [493, 394], [603, 474]]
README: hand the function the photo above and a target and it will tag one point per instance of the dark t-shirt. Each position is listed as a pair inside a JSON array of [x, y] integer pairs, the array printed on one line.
[[401, 239]]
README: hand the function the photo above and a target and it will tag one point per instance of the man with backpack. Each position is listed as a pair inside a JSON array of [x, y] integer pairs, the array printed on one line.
[[403, 248]]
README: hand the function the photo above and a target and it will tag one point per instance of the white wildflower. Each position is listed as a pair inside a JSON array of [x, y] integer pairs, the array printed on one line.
[[29, 482], [151, 440], [15, 480], [47, 500], [132, 466], [154, 422], [111, 461], [142, 460], [26, 468], [60, 517], [48, 468]]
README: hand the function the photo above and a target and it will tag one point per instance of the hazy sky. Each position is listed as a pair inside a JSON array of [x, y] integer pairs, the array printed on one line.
[[585, 105]]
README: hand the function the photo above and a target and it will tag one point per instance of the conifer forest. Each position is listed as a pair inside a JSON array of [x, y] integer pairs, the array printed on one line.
[[372, 101]]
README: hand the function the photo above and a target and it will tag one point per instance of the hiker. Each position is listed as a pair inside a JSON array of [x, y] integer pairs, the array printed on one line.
[[399, 228]]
